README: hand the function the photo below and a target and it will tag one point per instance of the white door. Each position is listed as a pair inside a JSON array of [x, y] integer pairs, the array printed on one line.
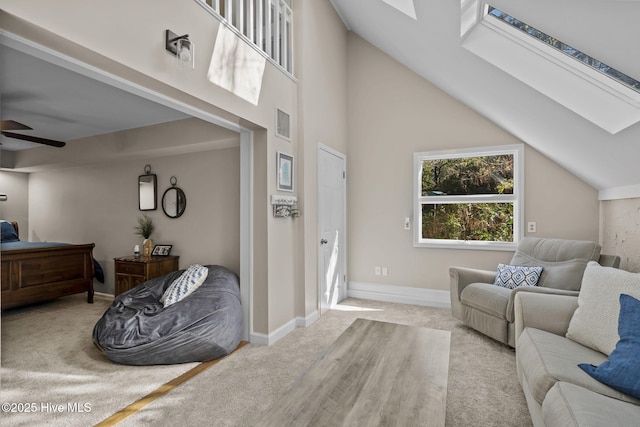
[[331, 227]]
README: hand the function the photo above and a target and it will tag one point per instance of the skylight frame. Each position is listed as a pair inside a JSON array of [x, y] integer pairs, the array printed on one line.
[[585, 91], [566, 49]]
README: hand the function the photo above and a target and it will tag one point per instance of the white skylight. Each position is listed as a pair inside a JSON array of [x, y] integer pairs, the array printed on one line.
[[585, 90], [404, 6], [565, 48]]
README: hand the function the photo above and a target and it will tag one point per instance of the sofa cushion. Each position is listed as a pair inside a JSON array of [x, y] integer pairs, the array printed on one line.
[[487, 298], [595, 322], [514, 276], [622, 370], [563, 261], [570, 405], [545, 358]]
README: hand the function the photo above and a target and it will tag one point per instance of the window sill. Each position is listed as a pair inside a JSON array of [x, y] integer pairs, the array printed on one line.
[[467, 244]]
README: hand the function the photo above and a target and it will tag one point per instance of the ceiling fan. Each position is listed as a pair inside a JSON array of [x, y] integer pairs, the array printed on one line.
[[9, 125]]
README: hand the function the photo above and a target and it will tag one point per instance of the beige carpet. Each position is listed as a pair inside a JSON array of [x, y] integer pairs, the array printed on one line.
[[47, 356]]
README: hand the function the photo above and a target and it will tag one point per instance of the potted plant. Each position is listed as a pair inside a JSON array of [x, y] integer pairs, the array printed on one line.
[[145, 228]]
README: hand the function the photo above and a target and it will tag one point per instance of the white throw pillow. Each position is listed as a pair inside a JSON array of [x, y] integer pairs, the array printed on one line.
[[595, 322], [184, 285]]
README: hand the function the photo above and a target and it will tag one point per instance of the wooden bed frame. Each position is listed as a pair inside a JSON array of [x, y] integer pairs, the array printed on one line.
[[39, 274]]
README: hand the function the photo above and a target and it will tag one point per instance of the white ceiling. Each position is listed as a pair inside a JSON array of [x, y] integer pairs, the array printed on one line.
[[426, 39], [63, 105]]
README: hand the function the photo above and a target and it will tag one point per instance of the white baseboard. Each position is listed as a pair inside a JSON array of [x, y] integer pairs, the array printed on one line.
[[303, 322], [399, 294], [273, 337], [103, 295], [372, 291]]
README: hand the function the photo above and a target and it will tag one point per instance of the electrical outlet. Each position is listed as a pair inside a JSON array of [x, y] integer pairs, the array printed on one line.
[[385, 272], [407, 224], [531, 227], [378, 271]]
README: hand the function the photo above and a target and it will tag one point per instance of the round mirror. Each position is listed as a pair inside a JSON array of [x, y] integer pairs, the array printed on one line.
[[174, 202]]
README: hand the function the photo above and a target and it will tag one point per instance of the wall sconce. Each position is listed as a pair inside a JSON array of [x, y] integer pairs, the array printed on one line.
[[182, 48]]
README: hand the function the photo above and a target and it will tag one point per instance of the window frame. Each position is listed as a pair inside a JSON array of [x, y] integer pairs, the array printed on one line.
[[517, 198], [591, 94]]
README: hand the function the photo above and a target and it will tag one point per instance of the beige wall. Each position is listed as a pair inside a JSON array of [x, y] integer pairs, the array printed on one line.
[[620, 231], [394, 113], [16, 208], [321, 61], [99, 204]]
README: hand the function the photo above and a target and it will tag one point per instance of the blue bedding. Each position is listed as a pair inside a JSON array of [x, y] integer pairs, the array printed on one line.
[[10, 246], [11, 242]]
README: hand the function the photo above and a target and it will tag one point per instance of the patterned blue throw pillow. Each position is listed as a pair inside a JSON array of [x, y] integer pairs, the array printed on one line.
[[513, 276], [184, 285], [622, 370]]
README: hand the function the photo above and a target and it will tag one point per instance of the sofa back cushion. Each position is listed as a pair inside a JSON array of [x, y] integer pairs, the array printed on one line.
[[563, 261], [595, 322], [622, 370]]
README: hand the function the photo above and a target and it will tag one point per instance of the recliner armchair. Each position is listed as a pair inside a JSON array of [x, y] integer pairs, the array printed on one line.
[[488, 308]]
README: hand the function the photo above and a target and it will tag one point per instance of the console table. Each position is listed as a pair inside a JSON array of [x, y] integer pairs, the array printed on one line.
[[374, 374], [131, 271]]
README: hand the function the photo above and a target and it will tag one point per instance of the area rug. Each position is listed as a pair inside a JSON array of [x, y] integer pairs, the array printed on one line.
[[54, 375], [483, 388]]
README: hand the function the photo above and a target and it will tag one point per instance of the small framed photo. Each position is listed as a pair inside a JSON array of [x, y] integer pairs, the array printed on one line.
[[285, 172], [161, 250]]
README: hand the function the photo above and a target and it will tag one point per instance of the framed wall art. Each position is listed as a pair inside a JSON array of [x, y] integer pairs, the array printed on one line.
[[285, 172]]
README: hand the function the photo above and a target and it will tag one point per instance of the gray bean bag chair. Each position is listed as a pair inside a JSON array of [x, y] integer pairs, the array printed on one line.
[[139, 330]]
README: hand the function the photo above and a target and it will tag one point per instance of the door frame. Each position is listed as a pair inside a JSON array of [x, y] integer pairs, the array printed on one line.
[[341, 292]]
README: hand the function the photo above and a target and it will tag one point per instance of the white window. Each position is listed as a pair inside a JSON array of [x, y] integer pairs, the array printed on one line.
[[591, 89], [469, 199], [570, 51]]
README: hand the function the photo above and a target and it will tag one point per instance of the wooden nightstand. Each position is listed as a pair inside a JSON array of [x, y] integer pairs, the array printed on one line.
[[131, 271]]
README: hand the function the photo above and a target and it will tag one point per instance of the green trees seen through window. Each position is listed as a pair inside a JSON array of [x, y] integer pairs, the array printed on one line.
[[472, 178]]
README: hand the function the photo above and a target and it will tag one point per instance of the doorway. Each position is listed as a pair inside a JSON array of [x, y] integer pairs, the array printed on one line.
[[331, 227], [136, 91]]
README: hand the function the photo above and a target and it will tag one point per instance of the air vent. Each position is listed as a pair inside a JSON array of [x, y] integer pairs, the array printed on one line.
[[283, 124]]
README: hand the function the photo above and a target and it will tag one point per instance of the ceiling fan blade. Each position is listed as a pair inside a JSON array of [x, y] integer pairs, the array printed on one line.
[[13, 125], [35, 139]]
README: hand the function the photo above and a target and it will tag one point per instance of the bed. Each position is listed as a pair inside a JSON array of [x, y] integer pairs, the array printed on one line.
[[32, 272]]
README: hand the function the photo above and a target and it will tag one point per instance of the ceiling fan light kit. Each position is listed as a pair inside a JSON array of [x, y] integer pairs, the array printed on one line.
[[182, 48]]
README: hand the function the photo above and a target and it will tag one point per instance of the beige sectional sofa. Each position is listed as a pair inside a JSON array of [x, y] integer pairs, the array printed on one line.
[[557, 391]]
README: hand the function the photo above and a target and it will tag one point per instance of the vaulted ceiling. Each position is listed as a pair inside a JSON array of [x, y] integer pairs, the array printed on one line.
[[425, 36]]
